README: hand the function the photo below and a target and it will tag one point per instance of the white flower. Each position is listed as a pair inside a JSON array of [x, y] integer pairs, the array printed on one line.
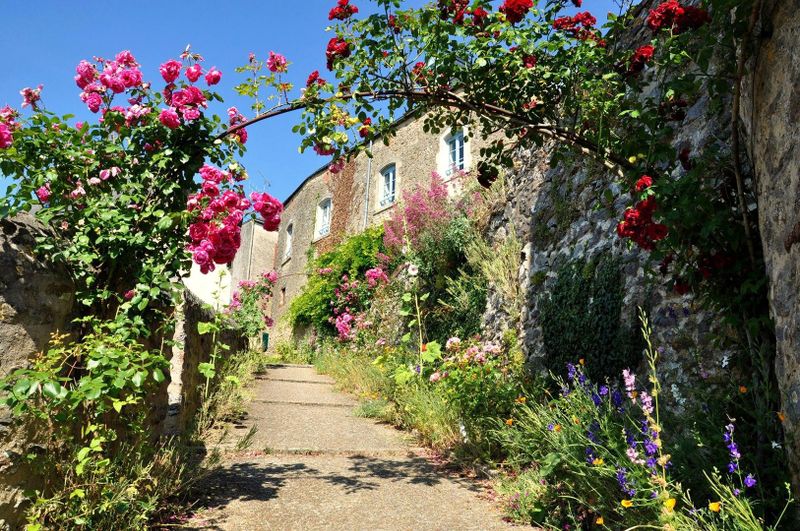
[[725, 360], [776, 445], [413, 270]]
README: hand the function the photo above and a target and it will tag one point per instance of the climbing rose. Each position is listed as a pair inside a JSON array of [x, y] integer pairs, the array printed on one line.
[[169, 118], [85, 74], [31, 96], [43, 193], [170, 70], [194, 72], [342, 11], [337, 49], [213, 76], [529, 61], [314, 78], [673, 16], [276, 62], [269, 208], [641, 57], [644, 182], [5, 136], [515, 10], [363, 131]]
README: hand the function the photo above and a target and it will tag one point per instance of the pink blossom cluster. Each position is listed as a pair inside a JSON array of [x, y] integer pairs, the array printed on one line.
[[235, 118], [271, 276], [216, 233], [186, 103], [425, 210], [277, 63], [220, 207], [269, 208], [7, 126], [375, 276], [30, 97], [101, 82]]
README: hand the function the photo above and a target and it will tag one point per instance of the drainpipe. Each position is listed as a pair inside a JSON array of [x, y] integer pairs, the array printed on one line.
[[366, 192]]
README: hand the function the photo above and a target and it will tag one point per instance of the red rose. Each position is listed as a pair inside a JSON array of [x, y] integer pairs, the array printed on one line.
[[640, 57], [337, 49], [644, 182], [342, 11], [515, 10]]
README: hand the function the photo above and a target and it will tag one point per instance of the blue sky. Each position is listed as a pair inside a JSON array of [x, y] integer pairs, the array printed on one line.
[[43, 42]]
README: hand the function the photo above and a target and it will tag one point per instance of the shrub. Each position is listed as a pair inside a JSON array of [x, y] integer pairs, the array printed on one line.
[[352, 257]]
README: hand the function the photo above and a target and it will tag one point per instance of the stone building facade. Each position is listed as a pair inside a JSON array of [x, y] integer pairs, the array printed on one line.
[[326, 207]]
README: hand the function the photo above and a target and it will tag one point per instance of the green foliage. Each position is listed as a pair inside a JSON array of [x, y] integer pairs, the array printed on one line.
[[581, 317], [351, 257]]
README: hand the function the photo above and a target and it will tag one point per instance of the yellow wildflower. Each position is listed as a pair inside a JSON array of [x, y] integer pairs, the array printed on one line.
[[626, 503], [582, 361], [714, 506], [597, 461], [575, 419], [669, 504], [510, 422], [557, 427], [599, 520], [520, 400]]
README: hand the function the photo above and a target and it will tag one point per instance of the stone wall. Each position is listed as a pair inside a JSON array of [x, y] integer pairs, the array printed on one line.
[[190, 350], [36, 299], [771, 118]]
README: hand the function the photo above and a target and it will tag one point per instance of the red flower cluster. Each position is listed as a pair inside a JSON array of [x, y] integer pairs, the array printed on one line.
[[580, 26], [314, 78], [342, 11], [338, 48], [674, 109], [515, 10], [577, 3], [324, 150], [364, 130], [458, 10], [529, 61], [638, 225], [394, 25], [419, 73], [673, 16], [641, 57], [644, 182]]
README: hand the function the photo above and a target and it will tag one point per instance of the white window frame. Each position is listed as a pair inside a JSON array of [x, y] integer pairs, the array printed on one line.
[[287, 246], [456, 152], [388, 186], [324, 215]]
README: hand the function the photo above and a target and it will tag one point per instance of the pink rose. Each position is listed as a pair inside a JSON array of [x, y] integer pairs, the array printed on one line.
[[5, 136], [131, 77], [93, 101], [200, 257], [194, 72], [43, 193], [210, 189], [170, 70], [125, 58], [276, 62], [94, 181], [169, 118], [213, 76], [31, 96], [190, 113], [129, 294], [198, 231], [272, 277]]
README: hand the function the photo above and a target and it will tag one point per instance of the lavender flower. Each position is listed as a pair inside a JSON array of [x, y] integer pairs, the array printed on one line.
[[571, 372], [622, 479], [630, 380], [647, 403], [749, 481], [603, 390]]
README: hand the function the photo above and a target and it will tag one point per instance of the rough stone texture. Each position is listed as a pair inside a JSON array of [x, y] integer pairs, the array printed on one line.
[[36, 299], [771, 115], [326, 469], [190, 350]]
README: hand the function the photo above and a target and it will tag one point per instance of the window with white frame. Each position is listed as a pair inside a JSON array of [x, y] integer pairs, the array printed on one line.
[[323, 218], [388, 185], [457, 152], [287, 248]]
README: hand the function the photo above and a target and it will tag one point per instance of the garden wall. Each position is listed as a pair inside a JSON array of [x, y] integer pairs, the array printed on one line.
[[36, 299]]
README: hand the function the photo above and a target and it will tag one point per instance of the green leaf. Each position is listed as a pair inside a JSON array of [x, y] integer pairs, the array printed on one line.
[[158, 376], [138, 378], [204, 328]]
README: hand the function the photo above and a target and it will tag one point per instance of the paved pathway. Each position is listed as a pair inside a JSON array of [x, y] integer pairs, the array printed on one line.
[[313, 465]]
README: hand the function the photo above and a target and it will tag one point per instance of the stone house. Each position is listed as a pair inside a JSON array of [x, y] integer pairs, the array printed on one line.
[[327, 207]]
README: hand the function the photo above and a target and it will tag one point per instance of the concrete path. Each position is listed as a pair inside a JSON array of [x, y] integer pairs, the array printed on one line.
[[313, 465]]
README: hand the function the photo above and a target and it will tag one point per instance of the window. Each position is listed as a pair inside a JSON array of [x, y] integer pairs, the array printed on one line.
[[455, 145], [283, 296], [388, 185], [287, 250], [323, 218]]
